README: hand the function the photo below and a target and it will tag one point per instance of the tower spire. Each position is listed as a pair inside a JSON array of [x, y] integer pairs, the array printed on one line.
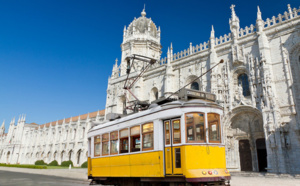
[[116, 62], [143, 12], [234, 23], [259, 21], [233, 15], [2, 129], [212, 33], [258, 13]]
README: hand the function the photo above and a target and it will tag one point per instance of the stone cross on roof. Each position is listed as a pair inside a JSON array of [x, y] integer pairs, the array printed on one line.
[[232, 7]]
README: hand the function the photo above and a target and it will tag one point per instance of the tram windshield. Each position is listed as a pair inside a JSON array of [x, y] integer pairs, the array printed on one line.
[[195, 127], [214, 127]]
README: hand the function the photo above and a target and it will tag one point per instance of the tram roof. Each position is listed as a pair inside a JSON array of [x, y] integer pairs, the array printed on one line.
[[157, 108]]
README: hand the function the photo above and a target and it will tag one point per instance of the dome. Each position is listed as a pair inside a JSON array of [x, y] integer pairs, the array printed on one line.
[[142, 25]]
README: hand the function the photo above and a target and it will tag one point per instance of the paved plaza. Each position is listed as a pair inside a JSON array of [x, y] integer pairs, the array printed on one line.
[[78, 177], [8, 178], [263, 181]]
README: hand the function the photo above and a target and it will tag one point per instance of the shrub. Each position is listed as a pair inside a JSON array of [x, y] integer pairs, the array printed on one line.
[[25, 166], [40, 162], [53, 163], [84, 165], [66, 163]]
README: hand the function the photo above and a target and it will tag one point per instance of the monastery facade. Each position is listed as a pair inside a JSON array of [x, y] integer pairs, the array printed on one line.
[[60, 140], [258, 84]]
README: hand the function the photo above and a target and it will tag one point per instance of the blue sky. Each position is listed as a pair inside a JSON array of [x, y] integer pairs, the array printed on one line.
[[56, 55]]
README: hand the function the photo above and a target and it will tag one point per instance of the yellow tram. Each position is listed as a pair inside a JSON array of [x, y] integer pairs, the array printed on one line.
[[177, 142]]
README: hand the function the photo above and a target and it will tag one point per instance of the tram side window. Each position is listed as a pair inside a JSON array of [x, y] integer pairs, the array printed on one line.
[[214, 127], [124, 141], [135, 139], [114, 147], [148, 136], [176, 131], [195, 128], [97, 144], [105, 144], [167, 132]]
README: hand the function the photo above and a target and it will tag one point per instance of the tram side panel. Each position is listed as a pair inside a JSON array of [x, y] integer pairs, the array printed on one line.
[[149, 164]]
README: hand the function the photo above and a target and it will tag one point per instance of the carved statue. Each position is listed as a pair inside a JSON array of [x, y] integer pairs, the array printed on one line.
[[240, 90], [219, 81], [262, 105], [254, 90], [269, 91], [240, 53], [226, 80], [272, 140]]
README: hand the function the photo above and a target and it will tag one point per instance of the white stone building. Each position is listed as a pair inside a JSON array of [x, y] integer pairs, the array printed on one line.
[[258, 85], [60, 140]]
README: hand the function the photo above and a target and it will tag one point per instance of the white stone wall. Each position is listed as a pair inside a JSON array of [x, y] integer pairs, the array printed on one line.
[[60, 141]]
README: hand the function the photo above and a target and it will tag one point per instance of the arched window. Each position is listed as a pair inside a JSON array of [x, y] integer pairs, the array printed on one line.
[[78, 156], [70, 155], [62, 156], [243, 81], [54, 155], [156, 95], [195, 86], [7, 159], [153, 94], [195, 83]]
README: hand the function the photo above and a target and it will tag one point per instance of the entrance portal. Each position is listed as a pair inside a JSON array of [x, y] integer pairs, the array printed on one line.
[[245, 155], [261, 154], [244, 127]]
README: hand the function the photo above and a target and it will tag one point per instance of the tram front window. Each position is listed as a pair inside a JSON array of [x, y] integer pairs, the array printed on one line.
[[195, 128], [124, 141], [135, 139], [97, 143], [114, 142], [214, 127], [105, 144], [148, 136]]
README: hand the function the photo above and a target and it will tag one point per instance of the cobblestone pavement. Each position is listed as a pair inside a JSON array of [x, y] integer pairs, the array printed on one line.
[[80, 174], [8, 178], [263, 181], [78, 177]]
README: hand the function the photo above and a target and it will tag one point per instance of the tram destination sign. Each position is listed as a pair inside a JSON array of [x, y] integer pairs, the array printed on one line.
[[194, 94]]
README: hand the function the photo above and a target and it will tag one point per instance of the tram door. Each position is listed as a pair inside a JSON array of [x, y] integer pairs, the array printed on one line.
[[172, 150]]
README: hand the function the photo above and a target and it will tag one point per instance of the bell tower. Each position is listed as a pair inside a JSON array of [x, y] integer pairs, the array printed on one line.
[[140, 37]]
